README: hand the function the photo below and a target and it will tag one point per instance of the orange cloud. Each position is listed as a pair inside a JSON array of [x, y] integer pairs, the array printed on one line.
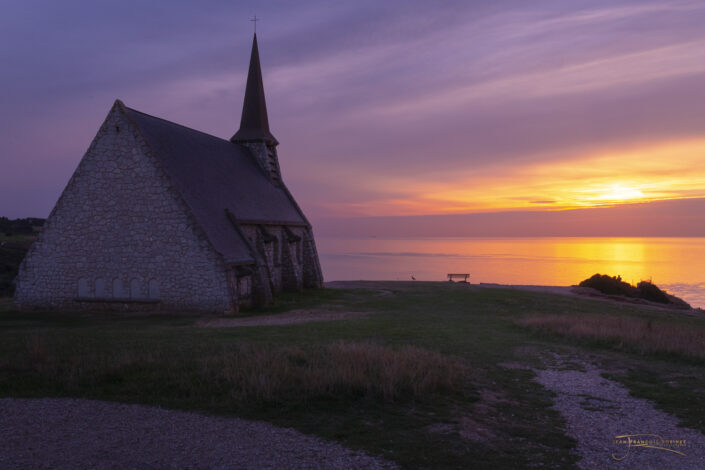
[[643, 173]]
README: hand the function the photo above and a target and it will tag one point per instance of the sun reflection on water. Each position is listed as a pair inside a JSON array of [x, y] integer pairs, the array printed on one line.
[[668, 262]]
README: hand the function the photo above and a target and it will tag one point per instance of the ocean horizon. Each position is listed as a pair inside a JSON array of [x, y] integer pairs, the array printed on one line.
[[674, 264]]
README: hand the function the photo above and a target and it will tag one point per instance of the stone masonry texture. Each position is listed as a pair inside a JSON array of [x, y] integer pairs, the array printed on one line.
[[119, 223]]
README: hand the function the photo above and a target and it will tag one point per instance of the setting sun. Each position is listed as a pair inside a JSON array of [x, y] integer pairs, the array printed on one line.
[[620, 193]]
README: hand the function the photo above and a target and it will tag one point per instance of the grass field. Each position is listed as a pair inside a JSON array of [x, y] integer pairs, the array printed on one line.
[[420, 378]]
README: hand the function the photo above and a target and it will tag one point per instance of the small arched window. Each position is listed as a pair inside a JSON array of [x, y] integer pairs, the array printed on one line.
[[117, 289], [294, 252], [83, 289], [100, 287], [153, 289], [135, 289]]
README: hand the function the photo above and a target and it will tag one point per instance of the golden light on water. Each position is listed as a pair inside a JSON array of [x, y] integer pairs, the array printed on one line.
[[544, 261]]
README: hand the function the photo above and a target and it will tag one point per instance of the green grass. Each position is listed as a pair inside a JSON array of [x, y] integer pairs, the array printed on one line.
[[472, 413]]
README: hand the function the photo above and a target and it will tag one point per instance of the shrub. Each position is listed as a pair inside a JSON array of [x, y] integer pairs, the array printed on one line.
[[611, 285], [649, 291], [11, 255], [26, 226]]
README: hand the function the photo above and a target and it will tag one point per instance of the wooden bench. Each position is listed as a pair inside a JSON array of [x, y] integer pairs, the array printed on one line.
[[458, 276]]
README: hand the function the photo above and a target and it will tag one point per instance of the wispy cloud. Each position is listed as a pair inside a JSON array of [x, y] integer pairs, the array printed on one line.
[[383, 108], [620, 71]]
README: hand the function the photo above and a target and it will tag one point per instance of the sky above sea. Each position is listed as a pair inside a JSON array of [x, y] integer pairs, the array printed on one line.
[[386, 109]]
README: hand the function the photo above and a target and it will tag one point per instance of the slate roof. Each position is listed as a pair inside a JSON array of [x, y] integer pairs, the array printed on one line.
[[212, 175], [254, 123]]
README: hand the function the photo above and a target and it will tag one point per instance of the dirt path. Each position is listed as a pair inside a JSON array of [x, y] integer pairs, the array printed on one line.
[[286, 318], [322, 313], [68, 434], [598, 410]]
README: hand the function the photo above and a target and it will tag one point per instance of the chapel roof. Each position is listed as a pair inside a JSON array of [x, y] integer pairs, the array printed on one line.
[[213, 176], [254, 123]]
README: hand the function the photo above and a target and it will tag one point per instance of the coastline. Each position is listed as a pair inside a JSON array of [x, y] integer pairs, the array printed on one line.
[[570, 291]]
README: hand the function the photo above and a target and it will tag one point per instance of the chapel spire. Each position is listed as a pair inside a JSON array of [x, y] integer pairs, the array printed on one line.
[[254, 125]]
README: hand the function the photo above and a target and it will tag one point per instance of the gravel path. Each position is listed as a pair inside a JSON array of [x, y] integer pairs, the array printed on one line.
[[597, 410], [72, 434]]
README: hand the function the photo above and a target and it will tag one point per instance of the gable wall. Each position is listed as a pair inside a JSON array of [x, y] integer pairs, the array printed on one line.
[[119, 229]]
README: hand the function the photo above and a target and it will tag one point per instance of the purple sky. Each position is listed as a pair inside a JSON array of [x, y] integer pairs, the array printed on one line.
[[381, 108]]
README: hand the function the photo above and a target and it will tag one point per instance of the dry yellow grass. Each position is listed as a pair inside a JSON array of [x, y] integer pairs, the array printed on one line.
[[253, 373], [271, 374], [646, 336]]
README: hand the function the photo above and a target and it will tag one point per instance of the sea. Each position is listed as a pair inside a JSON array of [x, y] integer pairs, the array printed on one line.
[[674, 264]]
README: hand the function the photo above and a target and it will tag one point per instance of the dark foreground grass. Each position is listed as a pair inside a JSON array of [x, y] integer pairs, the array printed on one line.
[[418, 380], [254, 374]]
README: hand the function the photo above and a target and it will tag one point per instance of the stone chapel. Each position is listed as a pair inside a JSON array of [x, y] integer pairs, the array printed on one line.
[[161, 216]]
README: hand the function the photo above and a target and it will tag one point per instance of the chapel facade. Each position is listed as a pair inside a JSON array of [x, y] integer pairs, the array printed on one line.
[[161, 216]]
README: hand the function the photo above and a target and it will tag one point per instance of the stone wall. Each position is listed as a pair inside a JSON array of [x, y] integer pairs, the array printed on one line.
[[312, 273], [118, 233], [286, 259], [266, 156]]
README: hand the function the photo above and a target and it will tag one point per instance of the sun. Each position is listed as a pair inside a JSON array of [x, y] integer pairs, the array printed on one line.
[[607, 194], [618, 192], [622, 193]]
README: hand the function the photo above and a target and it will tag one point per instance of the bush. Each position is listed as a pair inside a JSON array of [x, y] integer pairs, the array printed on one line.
[[13, 251], [649, 291], [611, 285], [26, 226], [11, 255]]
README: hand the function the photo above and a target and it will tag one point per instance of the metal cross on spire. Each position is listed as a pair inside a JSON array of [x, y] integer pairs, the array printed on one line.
[[255, 20]]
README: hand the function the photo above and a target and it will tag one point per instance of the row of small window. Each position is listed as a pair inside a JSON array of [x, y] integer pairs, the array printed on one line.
[[116, 290]]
